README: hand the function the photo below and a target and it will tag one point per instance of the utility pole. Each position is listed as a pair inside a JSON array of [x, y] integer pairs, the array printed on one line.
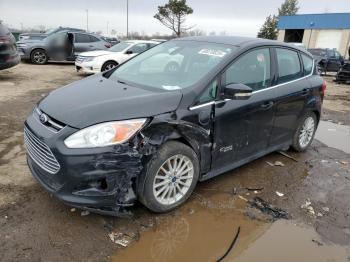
[[127, 19], [87, 20], [107, 28]]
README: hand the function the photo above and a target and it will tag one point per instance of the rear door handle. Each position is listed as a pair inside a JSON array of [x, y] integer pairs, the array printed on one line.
[[305, 92], [267, 105]]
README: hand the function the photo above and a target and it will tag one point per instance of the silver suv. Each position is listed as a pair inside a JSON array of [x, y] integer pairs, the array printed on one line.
[[60, 46]]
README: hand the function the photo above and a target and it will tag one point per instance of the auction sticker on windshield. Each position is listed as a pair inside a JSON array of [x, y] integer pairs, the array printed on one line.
[[212, 52]]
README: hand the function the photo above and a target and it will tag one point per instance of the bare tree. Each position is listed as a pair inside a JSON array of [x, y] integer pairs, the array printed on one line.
[[173, 16]]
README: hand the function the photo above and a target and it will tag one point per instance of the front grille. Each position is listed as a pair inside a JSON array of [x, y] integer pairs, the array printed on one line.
[[80, 59], [40, 153]]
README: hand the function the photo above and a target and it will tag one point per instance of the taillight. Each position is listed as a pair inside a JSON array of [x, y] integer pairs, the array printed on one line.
[[108, 45], [4, 40], [323, 88]]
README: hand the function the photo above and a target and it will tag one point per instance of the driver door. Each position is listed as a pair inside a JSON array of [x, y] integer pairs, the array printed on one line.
[[242, 128]]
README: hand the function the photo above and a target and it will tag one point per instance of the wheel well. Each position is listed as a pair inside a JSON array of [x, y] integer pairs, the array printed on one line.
[[317, 115]]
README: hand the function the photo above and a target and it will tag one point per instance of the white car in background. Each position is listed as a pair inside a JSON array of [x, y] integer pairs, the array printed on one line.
[[98, 61]]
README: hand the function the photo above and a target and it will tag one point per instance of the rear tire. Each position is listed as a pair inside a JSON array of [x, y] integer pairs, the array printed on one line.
[[38, 57], [305, 132], [108, 66], [169, 178]]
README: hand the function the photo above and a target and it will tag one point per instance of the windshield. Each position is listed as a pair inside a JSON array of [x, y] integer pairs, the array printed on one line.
[[172, 65], [120, 47]]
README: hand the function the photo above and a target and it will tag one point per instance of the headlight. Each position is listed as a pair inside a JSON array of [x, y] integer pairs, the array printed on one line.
[[105, 134], [89, 59]]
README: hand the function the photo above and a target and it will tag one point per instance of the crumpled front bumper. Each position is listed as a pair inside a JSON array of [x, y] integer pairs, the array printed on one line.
[[101, 180]]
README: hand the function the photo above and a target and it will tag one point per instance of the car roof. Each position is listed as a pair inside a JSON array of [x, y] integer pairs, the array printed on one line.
[[238, 41]]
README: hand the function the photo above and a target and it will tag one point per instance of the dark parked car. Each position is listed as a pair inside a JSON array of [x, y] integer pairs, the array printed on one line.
[[60, 46], [112, 40], [328, 60], [40, 36], [8, 51], [343, 75], [143, 132]]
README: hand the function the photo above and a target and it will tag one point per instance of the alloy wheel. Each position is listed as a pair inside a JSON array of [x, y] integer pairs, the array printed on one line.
[[307, 132], [173, 179], [39, 57]]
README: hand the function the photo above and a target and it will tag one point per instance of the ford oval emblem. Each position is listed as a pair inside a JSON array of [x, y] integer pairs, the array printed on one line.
[[43, 118]]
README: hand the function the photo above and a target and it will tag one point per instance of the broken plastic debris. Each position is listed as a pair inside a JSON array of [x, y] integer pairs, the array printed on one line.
[[278, 163], [289, 156], [269, 163], [344, 162], [120, 239], [279, 194], [243, 198], [85, 213], [308, 207], [72, 210], [325, 209], [263, 206]]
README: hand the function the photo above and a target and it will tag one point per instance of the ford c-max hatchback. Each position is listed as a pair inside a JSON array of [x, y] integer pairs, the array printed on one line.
[[148, 133]]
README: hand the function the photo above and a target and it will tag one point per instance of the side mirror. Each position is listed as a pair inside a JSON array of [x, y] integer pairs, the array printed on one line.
[[129, 52], [237, 92]]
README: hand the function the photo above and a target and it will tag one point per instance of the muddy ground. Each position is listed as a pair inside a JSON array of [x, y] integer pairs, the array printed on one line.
[[313, 189]]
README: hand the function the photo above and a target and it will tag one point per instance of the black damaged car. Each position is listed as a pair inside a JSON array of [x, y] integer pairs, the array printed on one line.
[[148, 131]]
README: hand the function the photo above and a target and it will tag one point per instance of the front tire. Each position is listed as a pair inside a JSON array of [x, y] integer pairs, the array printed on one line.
[[169, 177], [108, 66], [38, 57], [305, 132]]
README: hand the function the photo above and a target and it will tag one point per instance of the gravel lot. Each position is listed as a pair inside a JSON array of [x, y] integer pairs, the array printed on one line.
[[314, 191]]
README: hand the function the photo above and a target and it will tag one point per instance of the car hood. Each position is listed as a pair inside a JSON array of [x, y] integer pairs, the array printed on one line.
[[96, 53], [97, 99]]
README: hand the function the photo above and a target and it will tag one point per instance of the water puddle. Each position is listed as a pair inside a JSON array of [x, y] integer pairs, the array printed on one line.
[[287, 242], [334, 135], [194, 233]]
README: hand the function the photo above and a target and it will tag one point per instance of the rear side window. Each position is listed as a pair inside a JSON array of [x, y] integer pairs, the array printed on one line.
[[82, 38], [308, 64], [288, 65], [252, 69], [94, 39]]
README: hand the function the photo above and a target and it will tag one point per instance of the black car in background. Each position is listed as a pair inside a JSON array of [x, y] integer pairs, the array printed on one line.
[[112, 40], [139, 131], [9, 56], [60, 46], [343, 75], [328, 60]]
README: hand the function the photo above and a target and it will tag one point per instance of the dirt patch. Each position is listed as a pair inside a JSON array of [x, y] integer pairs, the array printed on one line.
[[336, 106]]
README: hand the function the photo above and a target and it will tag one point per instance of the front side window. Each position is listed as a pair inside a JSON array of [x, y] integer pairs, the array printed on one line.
[[289, 67], [173, 65], [139, 48], [308, 64], [252, 69], [82, 38], [94, 39], [120, 47], [209, 93]]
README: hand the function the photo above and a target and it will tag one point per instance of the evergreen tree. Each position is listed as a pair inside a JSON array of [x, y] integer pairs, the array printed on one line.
[[269, 28]]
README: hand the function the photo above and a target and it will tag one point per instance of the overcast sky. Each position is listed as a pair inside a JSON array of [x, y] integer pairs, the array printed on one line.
[[236, 17]]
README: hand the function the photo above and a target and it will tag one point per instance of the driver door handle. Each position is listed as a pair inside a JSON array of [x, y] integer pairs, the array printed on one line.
[[267, 105]]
